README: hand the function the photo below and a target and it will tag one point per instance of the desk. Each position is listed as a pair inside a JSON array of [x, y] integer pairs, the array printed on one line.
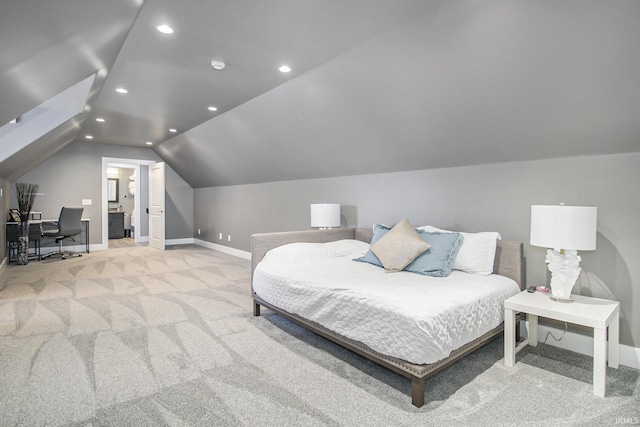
[[599, 314], [85, 225], [13, 232]]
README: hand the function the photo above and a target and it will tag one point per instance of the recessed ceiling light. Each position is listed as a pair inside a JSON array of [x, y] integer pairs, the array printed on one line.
[[165, 29], [172, 130], [122, 90], [218, 64], [89, 137], [213, 108], [99, 119], [284, 68], [149, 143]]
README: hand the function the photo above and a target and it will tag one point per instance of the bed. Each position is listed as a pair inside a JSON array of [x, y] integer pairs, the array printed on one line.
[[311, 279]]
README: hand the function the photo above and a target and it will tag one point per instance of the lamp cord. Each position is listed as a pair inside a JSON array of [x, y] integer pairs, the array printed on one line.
[[553, 336]]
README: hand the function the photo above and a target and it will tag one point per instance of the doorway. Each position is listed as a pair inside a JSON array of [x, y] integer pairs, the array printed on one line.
[[140, 196]]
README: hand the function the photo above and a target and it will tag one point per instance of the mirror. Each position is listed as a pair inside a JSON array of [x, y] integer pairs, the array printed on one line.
[[113, 189]]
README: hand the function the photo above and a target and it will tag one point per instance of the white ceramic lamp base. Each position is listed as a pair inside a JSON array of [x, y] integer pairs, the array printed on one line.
[[564, 268]]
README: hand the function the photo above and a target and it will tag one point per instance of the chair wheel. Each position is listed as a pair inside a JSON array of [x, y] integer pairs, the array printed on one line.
[[79, 254]]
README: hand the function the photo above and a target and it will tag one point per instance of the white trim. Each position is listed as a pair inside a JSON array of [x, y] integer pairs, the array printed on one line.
[[583, 344], [145, 239], [226, 249], [97, 247], [185, 241]]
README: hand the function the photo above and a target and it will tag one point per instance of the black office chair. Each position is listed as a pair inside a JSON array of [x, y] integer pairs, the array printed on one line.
[[68, 225]]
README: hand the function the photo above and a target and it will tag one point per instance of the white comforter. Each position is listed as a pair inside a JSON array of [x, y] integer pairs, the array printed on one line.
[[417, 318]]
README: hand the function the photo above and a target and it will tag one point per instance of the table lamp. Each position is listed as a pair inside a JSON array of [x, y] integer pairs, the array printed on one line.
[[325, 215], [566, 230]]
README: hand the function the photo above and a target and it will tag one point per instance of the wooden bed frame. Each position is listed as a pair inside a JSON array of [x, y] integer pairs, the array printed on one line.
[[509, 262]]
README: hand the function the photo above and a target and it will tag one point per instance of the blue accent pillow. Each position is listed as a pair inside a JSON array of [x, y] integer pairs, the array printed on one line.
[[436, 261], [379, 230]]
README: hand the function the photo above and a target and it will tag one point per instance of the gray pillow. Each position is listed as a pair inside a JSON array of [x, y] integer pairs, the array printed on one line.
[[399, 247]]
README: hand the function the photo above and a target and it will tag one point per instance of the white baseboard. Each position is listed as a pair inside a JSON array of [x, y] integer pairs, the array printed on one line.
[[583, 344], [221, 248], [73, 248], [145, 239]]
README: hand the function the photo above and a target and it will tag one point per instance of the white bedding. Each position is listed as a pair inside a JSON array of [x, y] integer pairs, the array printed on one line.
[[417, 318]]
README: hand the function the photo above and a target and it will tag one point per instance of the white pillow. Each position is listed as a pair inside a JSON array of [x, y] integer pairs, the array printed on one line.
[[477, 253]]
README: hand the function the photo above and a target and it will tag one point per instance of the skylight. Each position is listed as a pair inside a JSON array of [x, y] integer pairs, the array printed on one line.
[[44, 118]]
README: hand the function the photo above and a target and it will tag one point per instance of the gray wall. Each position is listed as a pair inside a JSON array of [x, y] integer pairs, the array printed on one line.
[[75, 173], [179, 206], [495, 197]]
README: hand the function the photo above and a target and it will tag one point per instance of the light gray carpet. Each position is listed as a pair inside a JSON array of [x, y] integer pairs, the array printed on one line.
[[139, 337]]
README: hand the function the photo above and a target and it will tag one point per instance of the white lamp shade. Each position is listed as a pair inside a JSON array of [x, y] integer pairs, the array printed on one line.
[[325, 215], [564, 227]]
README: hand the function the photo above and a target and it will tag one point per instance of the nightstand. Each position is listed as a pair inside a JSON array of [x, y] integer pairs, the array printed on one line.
[[599, 314]]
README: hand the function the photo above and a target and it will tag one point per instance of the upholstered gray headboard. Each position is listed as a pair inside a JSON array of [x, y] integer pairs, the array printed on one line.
[[509, 259]]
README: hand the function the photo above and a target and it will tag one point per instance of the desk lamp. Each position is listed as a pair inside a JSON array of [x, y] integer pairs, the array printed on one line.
[[565, 229]]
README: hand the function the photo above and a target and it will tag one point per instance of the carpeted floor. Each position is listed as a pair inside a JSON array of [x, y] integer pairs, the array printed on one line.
[[137, 337]]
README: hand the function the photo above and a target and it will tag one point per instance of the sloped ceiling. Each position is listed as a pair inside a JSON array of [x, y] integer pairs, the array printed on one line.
[[48, 47], [376, 86], [475, 83]]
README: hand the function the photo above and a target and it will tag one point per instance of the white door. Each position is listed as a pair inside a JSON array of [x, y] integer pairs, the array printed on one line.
[[156, 205]]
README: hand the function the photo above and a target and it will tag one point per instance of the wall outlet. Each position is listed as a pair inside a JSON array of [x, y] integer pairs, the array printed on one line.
[[229, 238], [220, 236], [87, 202], [198, 231]]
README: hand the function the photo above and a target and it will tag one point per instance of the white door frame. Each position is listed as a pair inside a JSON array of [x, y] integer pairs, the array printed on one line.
[[123, 163]]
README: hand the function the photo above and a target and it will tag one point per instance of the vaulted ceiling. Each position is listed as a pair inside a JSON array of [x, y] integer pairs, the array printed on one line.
[[49, 46], [374, 86]]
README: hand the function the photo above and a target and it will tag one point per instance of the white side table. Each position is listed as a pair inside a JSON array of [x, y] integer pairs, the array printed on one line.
[[599, 314]]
